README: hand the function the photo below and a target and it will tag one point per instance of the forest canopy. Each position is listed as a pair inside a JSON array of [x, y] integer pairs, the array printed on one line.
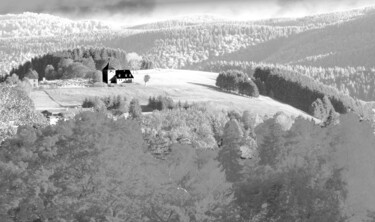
[[95, 168]]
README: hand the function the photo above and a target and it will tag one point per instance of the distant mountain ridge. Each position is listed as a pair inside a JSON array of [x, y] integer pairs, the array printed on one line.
[[328, 40], [345, 44], [30, 24], [318, 20], [182, 21]]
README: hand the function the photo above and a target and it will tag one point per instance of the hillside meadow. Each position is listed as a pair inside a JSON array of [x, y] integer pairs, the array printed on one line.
[[183, 85]]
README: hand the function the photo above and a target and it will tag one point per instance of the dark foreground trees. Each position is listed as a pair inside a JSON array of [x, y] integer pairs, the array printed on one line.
[[16, 108], [93, 168], [307, 173]]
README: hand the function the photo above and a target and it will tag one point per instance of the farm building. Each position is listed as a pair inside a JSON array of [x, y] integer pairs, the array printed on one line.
[[111, 75], [32, 75]]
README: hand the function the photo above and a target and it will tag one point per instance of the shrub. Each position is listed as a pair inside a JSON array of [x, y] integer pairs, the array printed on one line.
[[115, 104], [161, 103]]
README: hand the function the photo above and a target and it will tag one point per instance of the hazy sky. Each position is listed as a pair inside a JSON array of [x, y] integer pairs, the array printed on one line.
[[137, 11]]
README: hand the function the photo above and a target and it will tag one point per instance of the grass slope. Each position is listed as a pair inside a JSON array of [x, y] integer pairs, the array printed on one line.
[[42, 101], [183, 85]]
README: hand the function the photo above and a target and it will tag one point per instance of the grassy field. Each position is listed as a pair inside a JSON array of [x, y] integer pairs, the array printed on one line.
[[42, 101], [184, 85]]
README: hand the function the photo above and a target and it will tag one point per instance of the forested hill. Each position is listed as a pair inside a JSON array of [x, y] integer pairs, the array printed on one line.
[[24, 36], [79, 63], [182, 21], [345, 44], [317, 21], [335, 39], [308, 22], [188, 40]]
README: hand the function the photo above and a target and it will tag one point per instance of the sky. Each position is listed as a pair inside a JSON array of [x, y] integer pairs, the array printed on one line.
[[132, 12]]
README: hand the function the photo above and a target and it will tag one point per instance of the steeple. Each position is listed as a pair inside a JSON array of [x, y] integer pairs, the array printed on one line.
[[108, 66]]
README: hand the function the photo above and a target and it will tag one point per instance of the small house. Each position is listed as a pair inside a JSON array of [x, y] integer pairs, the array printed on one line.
[[32, 75], [111, 75]]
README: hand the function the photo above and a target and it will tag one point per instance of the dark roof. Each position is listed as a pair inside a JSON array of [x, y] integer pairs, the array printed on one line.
[[108, 66], [121, 74], [31, 74]]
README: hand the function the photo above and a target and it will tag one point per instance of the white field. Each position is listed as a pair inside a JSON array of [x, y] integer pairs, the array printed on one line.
[[200, 87], [183, 85], [42, 101]]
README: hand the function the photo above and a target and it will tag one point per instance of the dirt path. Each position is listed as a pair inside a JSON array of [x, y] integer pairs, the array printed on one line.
[[43, 101]]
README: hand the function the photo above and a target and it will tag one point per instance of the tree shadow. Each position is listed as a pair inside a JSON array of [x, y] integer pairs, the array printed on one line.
[[146, 108], [217, 89]]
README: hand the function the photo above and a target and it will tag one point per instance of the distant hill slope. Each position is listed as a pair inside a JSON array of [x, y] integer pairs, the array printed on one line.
[[345, 44], [181, 21], [24, 36], [317, 21], [180, 41]]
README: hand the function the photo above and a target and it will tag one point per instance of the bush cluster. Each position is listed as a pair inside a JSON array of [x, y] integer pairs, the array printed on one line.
[[194, 125], [115, 104]]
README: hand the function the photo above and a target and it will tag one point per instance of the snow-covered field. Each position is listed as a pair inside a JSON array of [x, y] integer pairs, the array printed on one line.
[[183, 85]]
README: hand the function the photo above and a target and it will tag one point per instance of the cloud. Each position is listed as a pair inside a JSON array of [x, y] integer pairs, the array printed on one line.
[[139, 11], [78, 8], [292, 8]]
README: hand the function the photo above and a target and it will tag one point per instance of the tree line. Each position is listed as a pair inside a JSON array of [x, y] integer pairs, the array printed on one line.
[[355, 81], [115, 105], [164, 103], [301, 91], [80, 63]]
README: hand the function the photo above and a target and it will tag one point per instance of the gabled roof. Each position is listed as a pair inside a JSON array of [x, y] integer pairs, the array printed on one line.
[[108, 66], [121, 74], [31, 74]]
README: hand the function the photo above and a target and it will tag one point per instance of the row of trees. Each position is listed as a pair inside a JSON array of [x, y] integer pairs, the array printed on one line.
[[301, 91], [81, 63], [165, 102], [116, 105], [355, 81], [235, 80]]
